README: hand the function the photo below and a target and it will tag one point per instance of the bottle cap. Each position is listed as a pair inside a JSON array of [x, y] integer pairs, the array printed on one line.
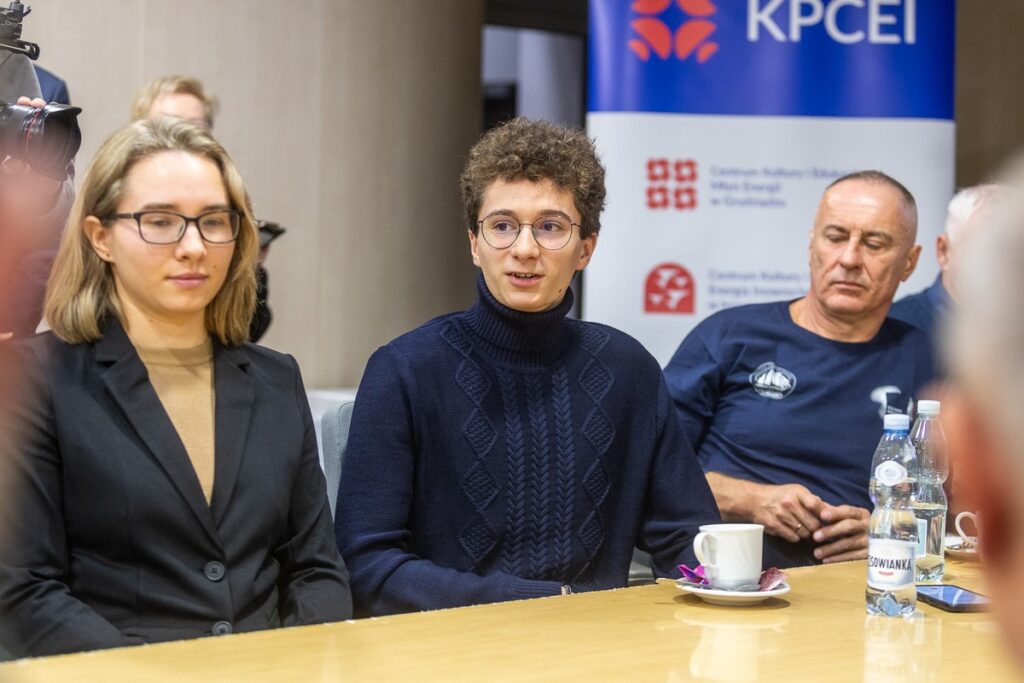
[[930, 408], [896, 422]]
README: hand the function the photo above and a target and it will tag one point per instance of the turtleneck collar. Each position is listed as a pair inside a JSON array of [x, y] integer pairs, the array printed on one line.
[[516, 337]]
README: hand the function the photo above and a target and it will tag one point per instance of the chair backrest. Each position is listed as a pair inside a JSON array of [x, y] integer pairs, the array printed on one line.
[[334, 427]]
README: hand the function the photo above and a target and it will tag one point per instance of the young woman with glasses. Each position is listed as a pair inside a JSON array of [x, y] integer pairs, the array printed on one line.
[[167, 483]]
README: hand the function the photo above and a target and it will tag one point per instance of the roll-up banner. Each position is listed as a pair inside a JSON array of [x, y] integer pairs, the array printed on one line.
[[720, 124]]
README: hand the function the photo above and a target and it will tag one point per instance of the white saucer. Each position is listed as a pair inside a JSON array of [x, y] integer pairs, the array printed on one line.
[[957, 549], [959, 552], [731, 598]]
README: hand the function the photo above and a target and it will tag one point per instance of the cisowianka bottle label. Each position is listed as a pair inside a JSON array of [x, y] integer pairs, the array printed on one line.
[[890, 563]]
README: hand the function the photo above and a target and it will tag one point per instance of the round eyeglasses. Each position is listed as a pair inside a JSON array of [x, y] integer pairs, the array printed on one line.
[[167, 227], [550, 232]]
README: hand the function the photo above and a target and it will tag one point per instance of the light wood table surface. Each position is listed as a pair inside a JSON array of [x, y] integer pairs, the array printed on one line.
[[817, 632]]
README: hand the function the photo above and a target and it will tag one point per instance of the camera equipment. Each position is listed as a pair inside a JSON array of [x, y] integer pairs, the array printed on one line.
[[10, 30], [269, 231], [46, 139]]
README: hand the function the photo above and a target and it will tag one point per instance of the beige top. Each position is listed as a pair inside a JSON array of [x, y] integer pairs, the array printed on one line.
[[183, 380]]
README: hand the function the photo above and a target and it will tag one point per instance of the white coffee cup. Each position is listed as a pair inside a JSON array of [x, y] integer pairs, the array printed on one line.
[[968, 539], [731, 554]]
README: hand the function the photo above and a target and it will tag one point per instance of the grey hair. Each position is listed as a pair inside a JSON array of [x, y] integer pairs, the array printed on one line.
[[967, 203]]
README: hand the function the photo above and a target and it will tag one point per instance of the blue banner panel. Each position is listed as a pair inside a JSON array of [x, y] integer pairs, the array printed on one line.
[[849, 58]]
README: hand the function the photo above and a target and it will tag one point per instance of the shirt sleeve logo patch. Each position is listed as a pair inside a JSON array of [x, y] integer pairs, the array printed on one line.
[[771, 381]]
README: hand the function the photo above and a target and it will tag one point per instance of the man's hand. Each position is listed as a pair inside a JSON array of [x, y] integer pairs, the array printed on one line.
[[789, 511], [843, 535], [792, 512]]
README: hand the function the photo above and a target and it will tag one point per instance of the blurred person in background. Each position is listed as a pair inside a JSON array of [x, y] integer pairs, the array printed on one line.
[[165, 479], [925, 310], [186, 98], [967, 214], [52, 87], [17, 76], [183, 97], [33, 210], [983, 407], [27, 245]]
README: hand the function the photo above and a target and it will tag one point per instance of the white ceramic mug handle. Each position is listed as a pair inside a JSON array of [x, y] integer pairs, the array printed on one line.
[[698, 544], [702, 557], [959, 520]]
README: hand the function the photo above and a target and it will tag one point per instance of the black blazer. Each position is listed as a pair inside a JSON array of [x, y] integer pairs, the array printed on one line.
[[111, 541]]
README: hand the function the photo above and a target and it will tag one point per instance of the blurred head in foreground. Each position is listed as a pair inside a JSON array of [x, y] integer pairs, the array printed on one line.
[[984, 342]]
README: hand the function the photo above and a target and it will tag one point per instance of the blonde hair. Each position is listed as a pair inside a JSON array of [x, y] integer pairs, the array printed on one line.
[[173, 85], [80, 292]]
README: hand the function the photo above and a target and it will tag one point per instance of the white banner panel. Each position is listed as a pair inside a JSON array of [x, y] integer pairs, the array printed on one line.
[[715, 167]]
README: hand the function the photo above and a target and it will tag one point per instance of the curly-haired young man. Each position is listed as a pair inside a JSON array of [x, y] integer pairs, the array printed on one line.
[[507, 451]]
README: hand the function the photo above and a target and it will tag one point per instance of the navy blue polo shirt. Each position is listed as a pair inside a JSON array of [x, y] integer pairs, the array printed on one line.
[[765, 400]]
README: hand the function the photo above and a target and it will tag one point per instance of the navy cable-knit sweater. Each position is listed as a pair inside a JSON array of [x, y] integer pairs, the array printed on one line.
[[496, 455]]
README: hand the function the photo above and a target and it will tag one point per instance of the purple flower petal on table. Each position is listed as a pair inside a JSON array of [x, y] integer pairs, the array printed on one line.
[[695, 576], [771, 579]]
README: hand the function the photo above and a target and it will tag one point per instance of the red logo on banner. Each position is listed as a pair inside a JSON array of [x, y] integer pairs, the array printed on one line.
[[691, 38], [669, 289], [672, 184]]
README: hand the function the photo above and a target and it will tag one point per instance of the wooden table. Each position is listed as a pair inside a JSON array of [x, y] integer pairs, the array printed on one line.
[[817, 632]]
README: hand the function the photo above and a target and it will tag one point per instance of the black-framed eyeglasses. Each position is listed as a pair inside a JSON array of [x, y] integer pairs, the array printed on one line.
[[550, 232], [219, 226]]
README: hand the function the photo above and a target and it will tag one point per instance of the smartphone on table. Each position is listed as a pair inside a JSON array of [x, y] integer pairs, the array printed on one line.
[[952, 598]]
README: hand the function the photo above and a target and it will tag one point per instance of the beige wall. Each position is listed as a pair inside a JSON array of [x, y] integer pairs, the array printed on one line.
[[989, 86], [349, 119]]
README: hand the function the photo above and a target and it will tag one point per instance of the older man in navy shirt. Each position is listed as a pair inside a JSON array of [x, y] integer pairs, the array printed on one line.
[[784, 401]]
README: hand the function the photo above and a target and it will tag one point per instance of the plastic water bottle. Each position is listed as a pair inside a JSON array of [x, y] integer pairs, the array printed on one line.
[[930, 505], [892, 530]]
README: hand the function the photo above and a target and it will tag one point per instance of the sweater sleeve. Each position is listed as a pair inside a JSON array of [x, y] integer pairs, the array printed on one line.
[[38, 613], [376, 499], [313, 584], [679, 499], [694, 379]]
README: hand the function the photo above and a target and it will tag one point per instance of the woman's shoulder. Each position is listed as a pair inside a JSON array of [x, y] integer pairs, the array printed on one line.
[[270, 373], [264, 361], [262, 355], [33, 366]]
